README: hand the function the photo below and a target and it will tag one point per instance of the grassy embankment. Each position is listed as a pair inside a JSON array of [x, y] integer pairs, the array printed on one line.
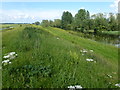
[[52, 57]]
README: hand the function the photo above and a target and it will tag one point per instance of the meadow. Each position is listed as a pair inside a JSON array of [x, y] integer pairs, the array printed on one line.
[[47, 57]]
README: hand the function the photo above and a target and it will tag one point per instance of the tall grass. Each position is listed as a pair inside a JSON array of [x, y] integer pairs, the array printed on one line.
[[48, 59]]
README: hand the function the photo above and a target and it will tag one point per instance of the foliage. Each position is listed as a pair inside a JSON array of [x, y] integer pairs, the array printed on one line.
[[66, 19], [82, 21], [37, 23]]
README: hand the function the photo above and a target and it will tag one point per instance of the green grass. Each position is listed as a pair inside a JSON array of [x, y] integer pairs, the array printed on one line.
[[111, 32], [51, 58]]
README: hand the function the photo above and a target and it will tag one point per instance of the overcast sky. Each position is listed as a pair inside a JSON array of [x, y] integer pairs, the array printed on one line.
[[29, 12]]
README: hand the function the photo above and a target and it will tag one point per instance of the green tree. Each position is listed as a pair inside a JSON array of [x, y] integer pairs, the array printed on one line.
[[112, 22], [37, 23], [118, 21], [57, 23], [45, 23], [67, 19], [51, 23], [81, 20], [100, 22]]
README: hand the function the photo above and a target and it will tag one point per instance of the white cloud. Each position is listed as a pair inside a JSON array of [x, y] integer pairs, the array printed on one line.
[[28, 16], [115, 5]]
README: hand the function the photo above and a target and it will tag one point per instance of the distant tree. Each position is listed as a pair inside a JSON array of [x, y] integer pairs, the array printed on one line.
[[81, 20], [67, 19], [118, 21], [57, 23], [51, 23], [100, 22], [37, 23], [45, 23], [112, 22]]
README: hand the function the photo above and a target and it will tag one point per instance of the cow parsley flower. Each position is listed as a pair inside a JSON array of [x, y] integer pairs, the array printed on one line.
[[91, 50], [84, 51], [109, 76], [6, 56], [57, 38], [10, 55], [78, 86], [117, 85], [72, 87], [89, 60], [75, 87], [5, 61]]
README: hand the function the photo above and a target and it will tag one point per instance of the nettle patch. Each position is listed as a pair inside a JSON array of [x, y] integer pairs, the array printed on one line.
[[28, 75], [32, 70]]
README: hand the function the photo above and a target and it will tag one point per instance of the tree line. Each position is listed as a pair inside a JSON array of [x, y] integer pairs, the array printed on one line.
[[82, 21]]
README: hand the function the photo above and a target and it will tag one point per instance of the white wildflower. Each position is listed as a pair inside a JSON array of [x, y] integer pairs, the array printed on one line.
[[109, 76], [91, 50], [5, 61], [9, 62], [84, 51], [72, 87], [78, 86], [57, 38], [6, 56], [80, 50], [11, 53], [117, 85], [89, 60], [82, 54], [75, 87]]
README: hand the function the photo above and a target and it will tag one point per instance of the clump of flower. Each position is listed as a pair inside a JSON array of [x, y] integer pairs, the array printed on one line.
[[84, 51], [109, 76], [75, 87], [5, 62], [90, 60], [10, 55], [57, 38], [91, 50], [117, 85]]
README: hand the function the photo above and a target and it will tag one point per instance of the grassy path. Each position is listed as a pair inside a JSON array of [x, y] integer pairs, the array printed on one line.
[[110, 53]]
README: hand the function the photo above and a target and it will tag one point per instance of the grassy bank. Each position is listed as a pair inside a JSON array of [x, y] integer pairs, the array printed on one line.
[[51, 57]]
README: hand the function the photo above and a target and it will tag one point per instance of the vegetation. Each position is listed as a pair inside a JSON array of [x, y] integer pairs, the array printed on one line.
[[84, 21], [50, 58], [61, 53]]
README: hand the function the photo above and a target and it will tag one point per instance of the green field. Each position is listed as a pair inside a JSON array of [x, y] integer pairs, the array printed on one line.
[[49, 57]]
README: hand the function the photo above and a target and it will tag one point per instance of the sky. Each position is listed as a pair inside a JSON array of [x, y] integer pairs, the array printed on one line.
[[29, 12]]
